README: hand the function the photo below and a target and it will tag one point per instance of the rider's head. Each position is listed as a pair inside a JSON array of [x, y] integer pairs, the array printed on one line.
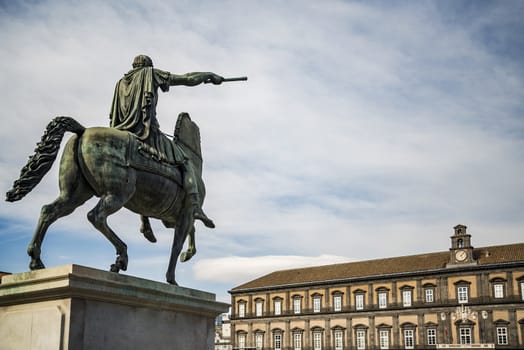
[[142, 61]]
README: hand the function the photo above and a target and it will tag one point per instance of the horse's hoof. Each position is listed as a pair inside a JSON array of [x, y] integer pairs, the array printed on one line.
[[36, 265], [120, 263], [185, 256], [172, 282]]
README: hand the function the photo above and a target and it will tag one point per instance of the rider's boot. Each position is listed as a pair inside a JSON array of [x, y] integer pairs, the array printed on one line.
[[198, 213], [146, 229]]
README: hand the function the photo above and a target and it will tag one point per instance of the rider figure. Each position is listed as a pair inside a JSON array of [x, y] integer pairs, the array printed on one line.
[[134, 110]]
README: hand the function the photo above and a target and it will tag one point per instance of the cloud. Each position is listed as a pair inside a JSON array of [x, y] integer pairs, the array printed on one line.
[[237, 269]]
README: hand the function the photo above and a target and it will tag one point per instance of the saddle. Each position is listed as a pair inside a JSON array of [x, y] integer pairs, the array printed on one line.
[[165, 159]]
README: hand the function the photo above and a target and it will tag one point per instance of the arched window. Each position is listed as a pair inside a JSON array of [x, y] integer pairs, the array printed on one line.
[[498, 287], [431, 333], [384, 336], [259, 307], [361, 336], [297, 338], [501, 332], [277, 339], [465, 331], [277, 306], [241, 340], [408, 334], [318, 338], [338, 337], [297, 304], [407, 295], [241, 308], [317, 302], [259, 339], [382, 297], [429, 292], [337, 301], [360, 299]]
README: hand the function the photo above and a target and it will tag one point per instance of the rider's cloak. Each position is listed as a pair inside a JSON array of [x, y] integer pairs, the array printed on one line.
[[135, 99]]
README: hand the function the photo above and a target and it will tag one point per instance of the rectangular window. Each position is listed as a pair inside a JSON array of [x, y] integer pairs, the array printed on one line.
[[465, 335], [522, 290], [296, 305], [278, 307], [339, 340], [277, 341], [502, 335], [429, 295], [409, 341], [359, 301], [382, 300], [241, 310], [316, 304], [317, 341], [383, 339], [241, 341], [498, 290], [462, 294], [259, 341], [431, 334], [258, 308], [406, 298], [361, 340], [337, 303], [297, 341]]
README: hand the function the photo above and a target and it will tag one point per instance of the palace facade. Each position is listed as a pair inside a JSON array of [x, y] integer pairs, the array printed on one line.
[[462, 298]]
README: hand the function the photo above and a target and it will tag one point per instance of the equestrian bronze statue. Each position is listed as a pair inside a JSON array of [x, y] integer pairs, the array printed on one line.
[[131, 164]]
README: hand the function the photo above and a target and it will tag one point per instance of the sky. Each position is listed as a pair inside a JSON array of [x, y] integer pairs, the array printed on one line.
[[367, 129]]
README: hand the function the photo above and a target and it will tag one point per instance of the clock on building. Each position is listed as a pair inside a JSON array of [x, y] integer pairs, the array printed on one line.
[[461, 255]]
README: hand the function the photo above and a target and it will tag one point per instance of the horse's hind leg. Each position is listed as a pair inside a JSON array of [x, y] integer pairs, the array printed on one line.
[[61, 207], [74, 191], [108, 205]]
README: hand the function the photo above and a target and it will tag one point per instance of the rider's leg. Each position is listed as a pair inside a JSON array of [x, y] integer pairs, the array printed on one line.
[[146, 229], [191, 188]]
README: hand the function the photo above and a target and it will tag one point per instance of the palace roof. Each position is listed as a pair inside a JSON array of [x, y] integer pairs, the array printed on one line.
[[381, 268]]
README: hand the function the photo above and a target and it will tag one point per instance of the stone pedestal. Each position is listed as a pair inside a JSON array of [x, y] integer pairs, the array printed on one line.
[[73, 307]]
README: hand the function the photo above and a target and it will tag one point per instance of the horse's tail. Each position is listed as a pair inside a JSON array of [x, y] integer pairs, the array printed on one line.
[[45, 154]]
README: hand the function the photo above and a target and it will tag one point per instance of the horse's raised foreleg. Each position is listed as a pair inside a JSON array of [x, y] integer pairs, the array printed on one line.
[[108, 205]]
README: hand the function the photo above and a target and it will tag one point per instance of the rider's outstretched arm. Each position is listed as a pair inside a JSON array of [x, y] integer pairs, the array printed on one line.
[[195, 78]]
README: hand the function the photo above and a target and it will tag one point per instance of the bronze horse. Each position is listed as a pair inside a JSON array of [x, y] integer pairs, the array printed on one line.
[[123, 172]]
